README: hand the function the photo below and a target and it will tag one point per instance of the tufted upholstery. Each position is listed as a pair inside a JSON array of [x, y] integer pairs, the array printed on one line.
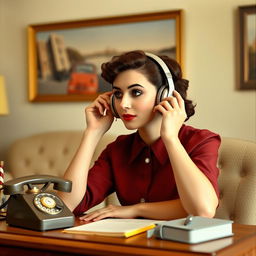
[[237, 181], [50, 153], [47, 153]]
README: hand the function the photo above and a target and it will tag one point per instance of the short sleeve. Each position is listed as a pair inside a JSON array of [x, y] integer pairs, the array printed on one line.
[[203, 148]]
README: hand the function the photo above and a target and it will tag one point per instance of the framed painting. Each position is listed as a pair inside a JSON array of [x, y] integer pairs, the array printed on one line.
[[247, 47], [64, 58]]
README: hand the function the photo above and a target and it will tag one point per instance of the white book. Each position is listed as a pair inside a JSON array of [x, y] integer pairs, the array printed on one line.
[[200, 229]]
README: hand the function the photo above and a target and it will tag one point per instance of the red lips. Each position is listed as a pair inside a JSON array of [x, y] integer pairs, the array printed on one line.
[[128, 117]]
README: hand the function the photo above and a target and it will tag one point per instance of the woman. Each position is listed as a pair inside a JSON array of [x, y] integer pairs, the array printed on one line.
[[165, 170]]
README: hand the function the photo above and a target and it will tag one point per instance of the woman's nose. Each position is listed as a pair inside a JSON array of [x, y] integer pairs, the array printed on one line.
[[125, 102]]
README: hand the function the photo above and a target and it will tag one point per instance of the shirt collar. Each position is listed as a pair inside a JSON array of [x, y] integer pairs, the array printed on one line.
[[158, 148]]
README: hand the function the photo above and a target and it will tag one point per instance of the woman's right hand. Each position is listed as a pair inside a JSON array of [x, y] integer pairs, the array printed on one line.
[[98, 114]]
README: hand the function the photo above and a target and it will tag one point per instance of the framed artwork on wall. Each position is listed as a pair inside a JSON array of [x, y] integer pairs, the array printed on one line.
[[64, 58], [247, 47]]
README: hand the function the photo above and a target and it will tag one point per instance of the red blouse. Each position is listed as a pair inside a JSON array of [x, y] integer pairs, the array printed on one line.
[[138, 172]]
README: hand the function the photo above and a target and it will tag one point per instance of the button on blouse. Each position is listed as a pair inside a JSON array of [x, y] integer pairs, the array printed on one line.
[[147, 160]]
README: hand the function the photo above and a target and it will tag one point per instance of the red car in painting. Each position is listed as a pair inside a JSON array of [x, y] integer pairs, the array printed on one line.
[[83, 79]]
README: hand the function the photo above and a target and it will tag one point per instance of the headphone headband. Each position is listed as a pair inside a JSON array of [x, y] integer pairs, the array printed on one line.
[[165, 69]]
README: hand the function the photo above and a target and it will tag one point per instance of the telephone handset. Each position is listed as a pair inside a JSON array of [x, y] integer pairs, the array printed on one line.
[[16, 186], [37, 208]]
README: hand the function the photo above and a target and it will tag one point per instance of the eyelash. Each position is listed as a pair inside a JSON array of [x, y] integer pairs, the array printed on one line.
[[133, 92]]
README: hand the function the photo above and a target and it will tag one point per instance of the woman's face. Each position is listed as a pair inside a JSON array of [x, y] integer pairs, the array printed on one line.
[[134, 98]]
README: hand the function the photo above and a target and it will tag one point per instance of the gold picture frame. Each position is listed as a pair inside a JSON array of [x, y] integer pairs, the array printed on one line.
[[58, 70], [247, 47]]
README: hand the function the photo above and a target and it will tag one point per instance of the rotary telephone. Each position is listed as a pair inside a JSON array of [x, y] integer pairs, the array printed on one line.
[[37, 208]]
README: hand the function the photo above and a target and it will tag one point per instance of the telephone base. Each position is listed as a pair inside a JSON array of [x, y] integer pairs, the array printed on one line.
[[22, 212], [44, 225]]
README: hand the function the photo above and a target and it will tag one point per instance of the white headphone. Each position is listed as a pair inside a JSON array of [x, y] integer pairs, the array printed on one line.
[[164, 91]]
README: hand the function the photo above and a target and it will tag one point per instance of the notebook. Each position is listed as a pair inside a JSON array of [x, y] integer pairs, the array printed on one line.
[[114, 227]]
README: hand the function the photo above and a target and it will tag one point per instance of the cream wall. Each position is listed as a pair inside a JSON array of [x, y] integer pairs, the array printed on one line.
[[209, 62]]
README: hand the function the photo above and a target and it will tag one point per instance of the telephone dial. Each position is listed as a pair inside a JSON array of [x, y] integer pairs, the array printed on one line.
[[37, 208]]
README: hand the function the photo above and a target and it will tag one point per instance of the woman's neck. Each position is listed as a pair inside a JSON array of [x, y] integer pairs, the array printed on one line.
[[151, 132]]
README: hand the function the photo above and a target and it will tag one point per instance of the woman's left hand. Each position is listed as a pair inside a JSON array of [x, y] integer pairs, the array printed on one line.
[[173, 115], [111, 211]]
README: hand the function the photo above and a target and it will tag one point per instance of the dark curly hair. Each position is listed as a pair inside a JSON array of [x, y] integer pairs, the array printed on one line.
[[139, 61]]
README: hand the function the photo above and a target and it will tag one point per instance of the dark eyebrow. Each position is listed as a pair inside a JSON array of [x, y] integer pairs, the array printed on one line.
[[129, 87]]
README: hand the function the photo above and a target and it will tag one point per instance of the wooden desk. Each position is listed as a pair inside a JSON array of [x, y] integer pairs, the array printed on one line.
[[17, 241]]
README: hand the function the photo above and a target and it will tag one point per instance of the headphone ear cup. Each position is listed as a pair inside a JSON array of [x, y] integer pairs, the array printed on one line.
[[161, 94], [112, 106]]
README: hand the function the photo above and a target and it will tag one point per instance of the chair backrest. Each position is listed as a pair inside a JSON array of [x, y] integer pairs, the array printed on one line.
[[47, 153], [237, 181]]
